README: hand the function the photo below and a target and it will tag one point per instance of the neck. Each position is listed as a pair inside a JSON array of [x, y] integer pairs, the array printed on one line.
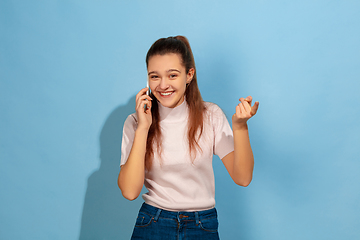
[[176, 114]]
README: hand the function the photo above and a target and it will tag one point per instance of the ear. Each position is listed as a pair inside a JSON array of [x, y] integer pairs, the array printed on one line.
[[190, 75]]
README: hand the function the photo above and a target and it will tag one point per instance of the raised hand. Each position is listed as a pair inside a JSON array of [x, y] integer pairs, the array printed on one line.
[[143, 109], [243, 112]]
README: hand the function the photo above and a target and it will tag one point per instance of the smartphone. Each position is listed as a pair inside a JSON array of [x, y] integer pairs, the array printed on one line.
[[148, 91], [147, 85]]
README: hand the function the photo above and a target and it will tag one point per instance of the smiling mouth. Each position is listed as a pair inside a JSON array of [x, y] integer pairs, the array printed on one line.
[[166, 93]]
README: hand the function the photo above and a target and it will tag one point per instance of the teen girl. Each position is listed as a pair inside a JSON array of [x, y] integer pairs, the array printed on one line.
[[168, 145]]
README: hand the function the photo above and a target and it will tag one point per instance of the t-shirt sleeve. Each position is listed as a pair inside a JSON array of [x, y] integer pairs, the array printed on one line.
[[130, 126], [224, 140]]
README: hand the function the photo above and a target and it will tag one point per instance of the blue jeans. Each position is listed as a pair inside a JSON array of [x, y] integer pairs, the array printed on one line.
[[155, 223]]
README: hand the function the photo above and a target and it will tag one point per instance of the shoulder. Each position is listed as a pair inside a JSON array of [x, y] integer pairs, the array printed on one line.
[[131, 121], [213, 109], [214, 115], [211, 106]]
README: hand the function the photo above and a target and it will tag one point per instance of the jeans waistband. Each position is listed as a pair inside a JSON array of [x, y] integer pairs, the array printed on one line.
[[182, 215]]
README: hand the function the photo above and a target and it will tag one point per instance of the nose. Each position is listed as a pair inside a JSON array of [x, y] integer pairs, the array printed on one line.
[[163, 84]]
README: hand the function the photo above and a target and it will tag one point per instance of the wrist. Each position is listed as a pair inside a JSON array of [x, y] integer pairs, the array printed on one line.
[[142, 130], [240, 126]]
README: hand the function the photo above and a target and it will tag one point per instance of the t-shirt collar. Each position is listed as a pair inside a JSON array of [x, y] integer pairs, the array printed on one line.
[[176, 114]]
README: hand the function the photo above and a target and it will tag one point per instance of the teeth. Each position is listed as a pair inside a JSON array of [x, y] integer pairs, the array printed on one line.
[[166, 94]]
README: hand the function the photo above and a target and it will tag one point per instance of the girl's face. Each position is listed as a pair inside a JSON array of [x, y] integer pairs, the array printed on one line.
[[168, 79]]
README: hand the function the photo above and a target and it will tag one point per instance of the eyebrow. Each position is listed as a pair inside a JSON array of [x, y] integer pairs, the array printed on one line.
[[170, 70]]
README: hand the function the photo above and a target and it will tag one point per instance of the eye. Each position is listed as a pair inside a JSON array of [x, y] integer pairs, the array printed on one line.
[[173, 75], [154, 77]]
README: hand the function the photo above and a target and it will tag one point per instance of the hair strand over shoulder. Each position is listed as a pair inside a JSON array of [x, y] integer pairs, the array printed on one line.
[[178, 45]]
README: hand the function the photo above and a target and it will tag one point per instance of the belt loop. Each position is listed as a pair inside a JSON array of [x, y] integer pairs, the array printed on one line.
[[197, 221], [157, 214]]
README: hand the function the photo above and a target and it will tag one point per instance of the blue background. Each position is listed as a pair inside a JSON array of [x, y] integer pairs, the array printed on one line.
[[69, 71]]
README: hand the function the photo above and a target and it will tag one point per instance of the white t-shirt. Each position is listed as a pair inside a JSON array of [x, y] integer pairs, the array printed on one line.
[[175, 183]]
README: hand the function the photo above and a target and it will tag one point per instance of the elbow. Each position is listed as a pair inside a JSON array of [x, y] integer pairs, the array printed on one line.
[[129, 196], [243, 182], [128, 192]]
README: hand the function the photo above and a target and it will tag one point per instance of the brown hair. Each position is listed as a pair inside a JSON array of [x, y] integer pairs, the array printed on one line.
[[178, 45]]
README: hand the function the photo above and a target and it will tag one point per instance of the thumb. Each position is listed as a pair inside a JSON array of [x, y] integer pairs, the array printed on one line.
[[254, 108]]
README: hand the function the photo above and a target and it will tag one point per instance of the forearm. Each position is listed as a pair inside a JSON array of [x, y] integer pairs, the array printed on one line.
[[132, 173], [243, 164]]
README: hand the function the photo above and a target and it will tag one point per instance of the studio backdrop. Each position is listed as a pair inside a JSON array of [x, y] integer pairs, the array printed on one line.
[[69, 73]]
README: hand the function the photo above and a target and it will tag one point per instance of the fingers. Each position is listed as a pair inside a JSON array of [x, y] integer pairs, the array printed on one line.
[[245, 106], [148, 107], [142, 99], [141, 93], [242, 106], [237, 110], [249, 99], [254, 108]]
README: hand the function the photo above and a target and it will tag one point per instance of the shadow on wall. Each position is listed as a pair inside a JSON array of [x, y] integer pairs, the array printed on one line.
[[107, 214]]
